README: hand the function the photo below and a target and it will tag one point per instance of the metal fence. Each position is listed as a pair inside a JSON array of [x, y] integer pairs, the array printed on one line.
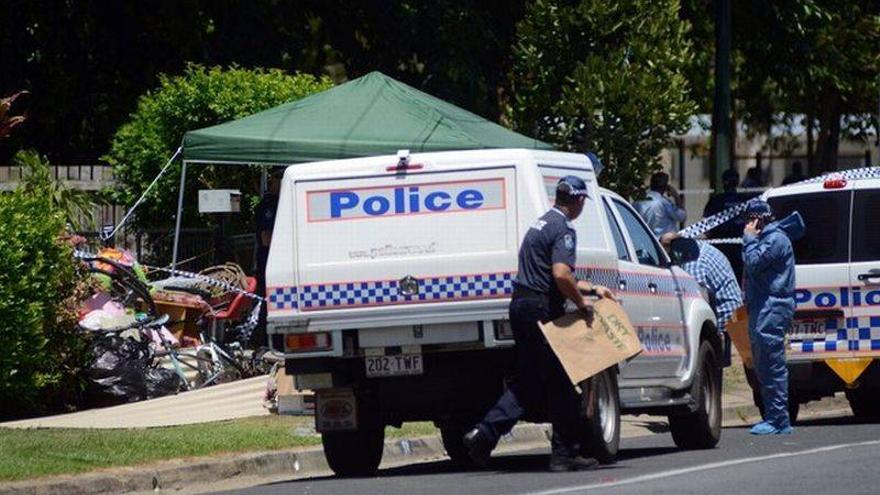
[[198, 248], [89, 177]]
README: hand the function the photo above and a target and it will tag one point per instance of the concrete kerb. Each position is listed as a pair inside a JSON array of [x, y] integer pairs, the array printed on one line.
[[298, 463]]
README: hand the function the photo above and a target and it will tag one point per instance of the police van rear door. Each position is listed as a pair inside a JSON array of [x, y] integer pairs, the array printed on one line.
[[388, 244], [824, 297], [865, 268]]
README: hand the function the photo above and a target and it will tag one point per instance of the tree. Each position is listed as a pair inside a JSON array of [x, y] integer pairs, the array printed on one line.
[[798, 64], [90, 61], [607, 77], [818, 58], [198, 98], [7, 120]]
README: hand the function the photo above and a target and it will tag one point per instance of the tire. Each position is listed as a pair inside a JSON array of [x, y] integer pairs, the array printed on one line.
[[601, 439], [794, 408], [864, 402], [354, 453], [701, 429], [452, 435]]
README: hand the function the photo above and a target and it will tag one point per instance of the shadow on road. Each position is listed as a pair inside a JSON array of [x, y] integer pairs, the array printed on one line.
[[829, 421], [508, 463]]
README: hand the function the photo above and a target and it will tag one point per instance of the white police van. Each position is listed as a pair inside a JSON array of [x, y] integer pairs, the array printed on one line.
[[388, 285], [834, 341]]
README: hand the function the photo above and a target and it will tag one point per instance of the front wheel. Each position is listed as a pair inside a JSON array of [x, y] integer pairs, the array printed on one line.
[[701, 429], [601, 438], [354, 453]]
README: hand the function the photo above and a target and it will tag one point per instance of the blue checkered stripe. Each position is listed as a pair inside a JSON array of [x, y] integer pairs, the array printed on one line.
[[282, 298], [386, 292], [636, 282], [601, 276], [860, 334]]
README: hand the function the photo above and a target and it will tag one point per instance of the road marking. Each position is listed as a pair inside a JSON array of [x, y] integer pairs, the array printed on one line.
[[704, 467]]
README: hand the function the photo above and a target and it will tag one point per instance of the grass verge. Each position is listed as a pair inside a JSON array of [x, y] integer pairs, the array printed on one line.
[[31, 453]]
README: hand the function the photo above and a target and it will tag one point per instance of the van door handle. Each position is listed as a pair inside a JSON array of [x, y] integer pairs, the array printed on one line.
[[864, 277], [652, 287], [621, 284]]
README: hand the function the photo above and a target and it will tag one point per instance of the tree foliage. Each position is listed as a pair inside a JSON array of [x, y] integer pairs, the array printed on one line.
[[198, 98], [88, 62], [819, 58], [76, 205], [607, 77], [804, 63], [39, 289]]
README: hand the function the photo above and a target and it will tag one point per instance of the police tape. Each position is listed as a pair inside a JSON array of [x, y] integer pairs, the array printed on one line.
[[728, 240], [253, 319], [709, 223], [245, 327]]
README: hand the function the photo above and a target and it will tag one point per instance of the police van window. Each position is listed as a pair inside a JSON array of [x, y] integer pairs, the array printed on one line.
[[866, 233], [647, 251], [619, 243], [826, 217]]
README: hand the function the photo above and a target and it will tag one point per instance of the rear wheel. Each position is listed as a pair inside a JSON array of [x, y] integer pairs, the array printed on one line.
[[354, 453], [701, 429], [601, 438], [864, 402], [452, 434]]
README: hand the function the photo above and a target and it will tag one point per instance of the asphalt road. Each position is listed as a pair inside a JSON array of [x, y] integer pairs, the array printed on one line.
[[836, 455]]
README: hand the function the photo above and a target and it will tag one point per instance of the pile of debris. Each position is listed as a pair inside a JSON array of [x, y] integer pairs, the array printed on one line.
[[153, 338]]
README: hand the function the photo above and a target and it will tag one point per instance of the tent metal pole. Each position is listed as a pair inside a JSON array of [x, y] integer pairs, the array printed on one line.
[[179, 215]]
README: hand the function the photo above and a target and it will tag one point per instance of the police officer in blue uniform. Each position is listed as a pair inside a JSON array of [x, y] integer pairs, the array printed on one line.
[[544, 281]]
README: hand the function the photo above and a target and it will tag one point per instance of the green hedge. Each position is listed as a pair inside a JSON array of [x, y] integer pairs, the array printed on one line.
[[40, 351], [199, 97]]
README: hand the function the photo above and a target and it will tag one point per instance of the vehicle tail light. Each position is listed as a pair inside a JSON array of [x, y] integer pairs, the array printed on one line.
[[835, 183], [307, 342]]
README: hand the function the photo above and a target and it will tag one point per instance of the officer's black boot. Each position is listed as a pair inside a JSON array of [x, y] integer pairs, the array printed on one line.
[[479, 447], [561, 463]]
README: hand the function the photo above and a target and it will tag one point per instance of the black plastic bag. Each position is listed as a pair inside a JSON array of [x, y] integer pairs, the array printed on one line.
[[123, 371]]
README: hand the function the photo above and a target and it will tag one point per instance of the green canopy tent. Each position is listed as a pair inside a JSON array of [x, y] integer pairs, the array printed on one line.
[[368, 116], [371, 115]]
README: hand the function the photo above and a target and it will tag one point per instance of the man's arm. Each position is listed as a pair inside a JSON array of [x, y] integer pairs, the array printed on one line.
[[759, 253], [568, 285], [675, 212]]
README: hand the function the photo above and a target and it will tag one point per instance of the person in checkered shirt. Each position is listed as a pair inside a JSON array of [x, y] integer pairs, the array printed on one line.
[[711, 269]]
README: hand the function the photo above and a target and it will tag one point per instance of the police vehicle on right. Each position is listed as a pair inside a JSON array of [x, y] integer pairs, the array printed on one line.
[[834, 341]]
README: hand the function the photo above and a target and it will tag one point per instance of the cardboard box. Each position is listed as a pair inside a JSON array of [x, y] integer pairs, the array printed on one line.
[[585, 350]]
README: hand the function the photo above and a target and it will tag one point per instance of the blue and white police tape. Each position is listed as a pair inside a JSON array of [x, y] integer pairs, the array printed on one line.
[[246, 327], [709, 223]]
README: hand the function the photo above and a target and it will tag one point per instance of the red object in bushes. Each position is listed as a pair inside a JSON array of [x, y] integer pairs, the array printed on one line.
[[233, 312]]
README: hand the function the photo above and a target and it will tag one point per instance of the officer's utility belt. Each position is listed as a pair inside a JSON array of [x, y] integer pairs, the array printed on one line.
[[523, 292]]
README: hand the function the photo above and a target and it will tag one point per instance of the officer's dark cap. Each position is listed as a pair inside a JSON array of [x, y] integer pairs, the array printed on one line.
[[572, 186]]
